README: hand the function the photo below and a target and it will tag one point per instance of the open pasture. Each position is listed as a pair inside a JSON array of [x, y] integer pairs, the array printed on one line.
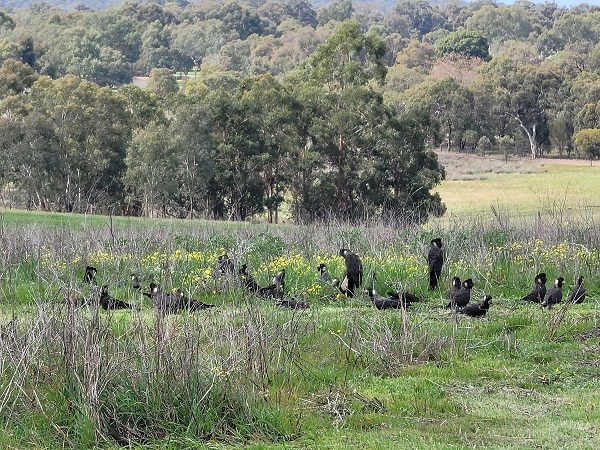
[[521, 188], [338, 375]]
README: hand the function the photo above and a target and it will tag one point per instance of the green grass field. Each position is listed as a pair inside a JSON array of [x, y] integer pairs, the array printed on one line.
[[523, 187], [338, 375]]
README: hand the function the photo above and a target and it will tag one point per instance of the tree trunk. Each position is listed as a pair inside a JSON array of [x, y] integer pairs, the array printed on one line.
[[530, 135], [449, 135], [341, 177]]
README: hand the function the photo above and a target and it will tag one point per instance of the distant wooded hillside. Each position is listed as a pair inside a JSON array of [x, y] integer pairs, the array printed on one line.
[[281, 106], [383, 5], [65, 5]]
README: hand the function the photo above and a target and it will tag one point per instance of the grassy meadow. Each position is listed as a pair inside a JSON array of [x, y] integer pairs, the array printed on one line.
[[338, 375], [522, 187]]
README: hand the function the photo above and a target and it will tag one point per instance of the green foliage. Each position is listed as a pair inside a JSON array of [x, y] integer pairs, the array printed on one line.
[[6, 22], [150, 163], [236, 189], [15, 77], [525, 95], [238, 18], [74, 156], [500, 23], [142, 107], [418, 18], [588, 116], [162, 83], [338, 10], [449, 103], [417, 55], [468, 43], [80, 53], [348, 58], [587, 141], [266, 246], [359, 137], [121, 33], [155, 51]]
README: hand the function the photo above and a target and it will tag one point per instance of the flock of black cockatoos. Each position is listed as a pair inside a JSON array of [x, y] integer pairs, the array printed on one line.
[[275, 290], [553, 295], [460, 293], [458, 297], [167, 303]]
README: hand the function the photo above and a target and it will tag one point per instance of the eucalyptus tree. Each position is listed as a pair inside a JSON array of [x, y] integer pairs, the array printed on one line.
[[403, 171], [236, 56], [593, 61], [414, 18], [524, 93], [195, 39], [500, 23], [169, 161], [150, 179], [43, 22], [8, 50], [343, 125], [262, 55], [394, 43], [588, 116], [446, 101], [15, 77], [572, 60], [193, 147], [572, 26], [587, 142], [301, 10], [94, 131], [187, 39], [366, 160], [162, 83], [81, 135], [28, 157], [156, 51], [147, 13], [272, 12], [110, 28], [6, 22], [561, 133], [297, 45], [455, 15], [468, 43], [236, 190], [397, 81], [416, 55], [238, 17], [274, 110], [216, 77], [584, 89], [142, 107], [310, 186], [77, 51], [338, 10]]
